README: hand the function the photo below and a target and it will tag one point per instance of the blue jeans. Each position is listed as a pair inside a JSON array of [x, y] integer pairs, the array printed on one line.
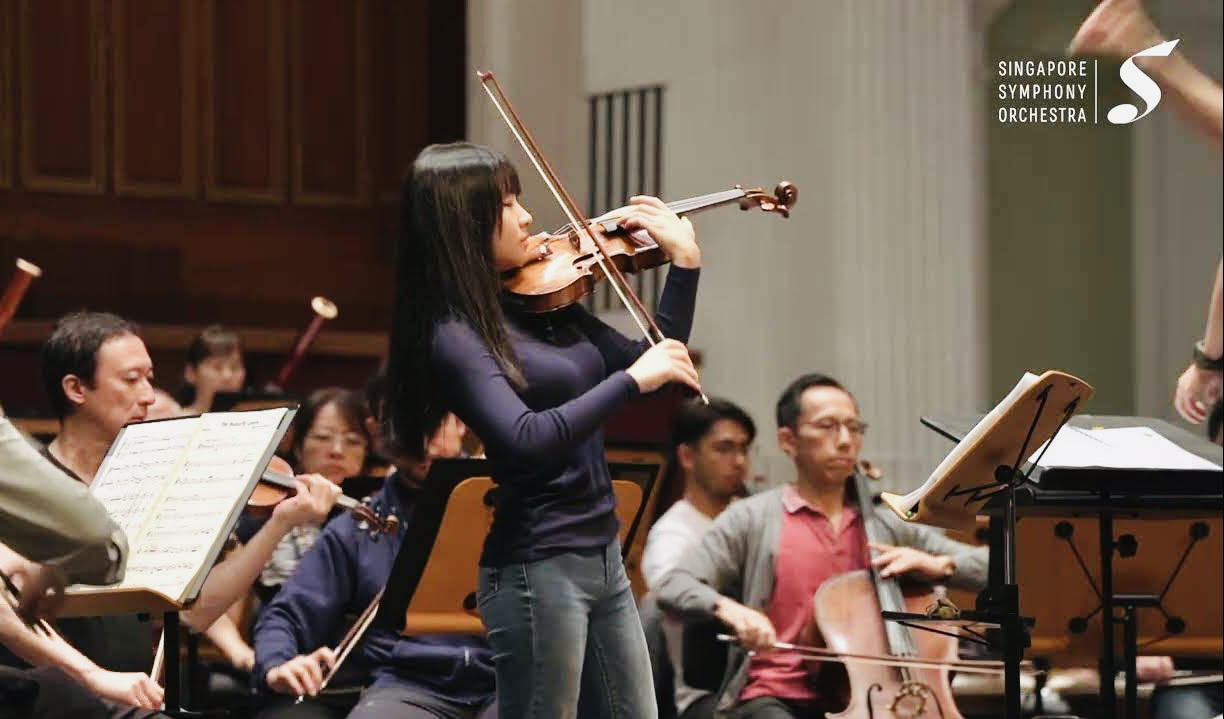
[[1189, 702], [566, 626]]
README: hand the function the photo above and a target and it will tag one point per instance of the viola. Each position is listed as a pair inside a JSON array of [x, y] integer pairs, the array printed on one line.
[[569, 266], [276, 485]]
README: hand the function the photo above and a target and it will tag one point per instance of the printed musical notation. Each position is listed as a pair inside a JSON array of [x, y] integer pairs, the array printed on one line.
[[173, 485]]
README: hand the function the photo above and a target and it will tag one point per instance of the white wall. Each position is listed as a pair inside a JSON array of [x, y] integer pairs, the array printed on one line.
[[872, 107], [534, 47]]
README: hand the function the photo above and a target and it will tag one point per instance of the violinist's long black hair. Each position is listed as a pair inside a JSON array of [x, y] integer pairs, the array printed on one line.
[[450, 207]]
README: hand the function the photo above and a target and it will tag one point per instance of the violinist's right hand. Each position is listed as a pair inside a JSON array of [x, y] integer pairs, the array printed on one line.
[[131, 688], [315, 497], [667, 361], [303, 674], [753, 629]]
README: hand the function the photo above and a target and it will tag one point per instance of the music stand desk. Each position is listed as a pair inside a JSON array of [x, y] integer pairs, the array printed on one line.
[[1106, 493]]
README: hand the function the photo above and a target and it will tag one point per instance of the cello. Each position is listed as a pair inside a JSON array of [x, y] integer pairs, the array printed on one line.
[[847, 611]]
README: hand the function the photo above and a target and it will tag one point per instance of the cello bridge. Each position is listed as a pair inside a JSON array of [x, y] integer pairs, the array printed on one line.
[[910, 700]]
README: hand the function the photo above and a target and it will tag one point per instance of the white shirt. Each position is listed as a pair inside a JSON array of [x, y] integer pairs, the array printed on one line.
[[678, 530]]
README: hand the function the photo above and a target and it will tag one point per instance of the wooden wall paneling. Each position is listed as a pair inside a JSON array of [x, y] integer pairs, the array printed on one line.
[[156, 140], [61, 75], [243, 52], [330, 106], [8, 62], [399, 46]]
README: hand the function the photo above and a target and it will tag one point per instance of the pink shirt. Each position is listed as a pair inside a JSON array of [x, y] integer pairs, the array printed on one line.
[[809, 552]]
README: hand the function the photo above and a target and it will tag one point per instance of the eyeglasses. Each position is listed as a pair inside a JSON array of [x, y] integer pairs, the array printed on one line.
[[828, 425], [730, 447], [349, 440]]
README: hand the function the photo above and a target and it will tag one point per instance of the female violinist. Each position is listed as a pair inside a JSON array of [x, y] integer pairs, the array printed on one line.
[[536, 389]]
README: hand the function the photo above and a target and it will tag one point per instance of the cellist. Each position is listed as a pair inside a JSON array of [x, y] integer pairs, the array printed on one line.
[[759, 565]]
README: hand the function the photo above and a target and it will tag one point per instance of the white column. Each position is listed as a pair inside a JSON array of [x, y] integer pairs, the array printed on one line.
[[873, 108]]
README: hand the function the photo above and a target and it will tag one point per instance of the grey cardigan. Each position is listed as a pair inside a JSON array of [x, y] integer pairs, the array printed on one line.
[[736, 558]]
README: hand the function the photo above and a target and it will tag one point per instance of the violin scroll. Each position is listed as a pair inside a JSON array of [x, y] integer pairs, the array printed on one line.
[[784, 197]]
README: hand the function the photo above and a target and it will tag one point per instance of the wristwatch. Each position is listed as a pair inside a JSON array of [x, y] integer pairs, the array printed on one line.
[[1202, 361]]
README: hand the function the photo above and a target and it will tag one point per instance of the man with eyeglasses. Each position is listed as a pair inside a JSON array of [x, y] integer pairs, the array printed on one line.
[[710, 446], [98, 377], [760, 563]]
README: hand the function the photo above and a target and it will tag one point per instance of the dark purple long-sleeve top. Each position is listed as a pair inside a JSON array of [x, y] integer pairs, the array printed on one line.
[[545, 441]]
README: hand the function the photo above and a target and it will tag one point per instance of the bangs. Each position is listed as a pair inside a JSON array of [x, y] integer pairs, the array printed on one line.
[[506, 177]]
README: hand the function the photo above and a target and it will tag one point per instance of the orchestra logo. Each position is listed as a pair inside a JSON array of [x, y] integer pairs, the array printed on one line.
[[1140, 84], [1066, 91]]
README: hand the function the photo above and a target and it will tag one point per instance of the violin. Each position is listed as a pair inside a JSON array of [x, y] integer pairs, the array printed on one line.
[[276, 485], [568, 267]]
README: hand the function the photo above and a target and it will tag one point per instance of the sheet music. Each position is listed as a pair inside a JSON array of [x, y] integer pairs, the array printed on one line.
[[177, 485], [909, 501], [134, 473], [1118, 448]]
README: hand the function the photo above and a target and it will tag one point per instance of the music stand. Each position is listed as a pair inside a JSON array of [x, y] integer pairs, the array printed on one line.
[[989, 468], [1108, 493]]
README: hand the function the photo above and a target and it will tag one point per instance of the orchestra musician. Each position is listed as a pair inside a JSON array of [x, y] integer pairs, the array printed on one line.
[[214, 364], [434, 677], [759, 565], [553, 593], [98, 377], [63, 536], [330, 437], [710, 446]]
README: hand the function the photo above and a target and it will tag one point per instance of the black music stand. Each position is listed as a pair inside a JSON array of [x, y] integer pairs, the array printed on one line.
[[1106, 493], [986, 467]]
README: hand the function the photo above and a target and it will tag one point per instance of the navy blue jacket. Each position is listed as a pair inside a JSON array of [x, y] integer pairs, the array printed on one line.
[[339, 575], [545, 441]]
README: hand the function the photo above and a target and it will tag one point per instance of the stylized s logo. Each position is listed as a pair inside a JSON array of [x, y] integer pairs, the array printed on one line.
[[1140, 84]]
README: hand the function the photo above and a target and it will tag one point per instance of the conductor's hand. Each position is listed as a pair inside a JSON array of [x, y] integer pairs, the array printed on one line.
[[1197, 390], [316, 495], [131, 688], [667, 361], [894, 561], [303, 674], [673, 233], [753, 629], [42, 591]]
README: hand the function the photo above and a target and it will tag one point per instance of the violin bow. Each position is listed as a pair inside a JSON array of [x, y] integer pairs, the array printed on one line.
[[346, 645], [12, 596], [573, 215], [822, 654]]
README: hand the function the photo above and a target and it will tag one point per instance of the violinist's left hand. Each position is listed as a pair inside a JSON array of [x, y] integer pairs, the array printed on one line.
[[316, 495], [893, 561], [673, 233]]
